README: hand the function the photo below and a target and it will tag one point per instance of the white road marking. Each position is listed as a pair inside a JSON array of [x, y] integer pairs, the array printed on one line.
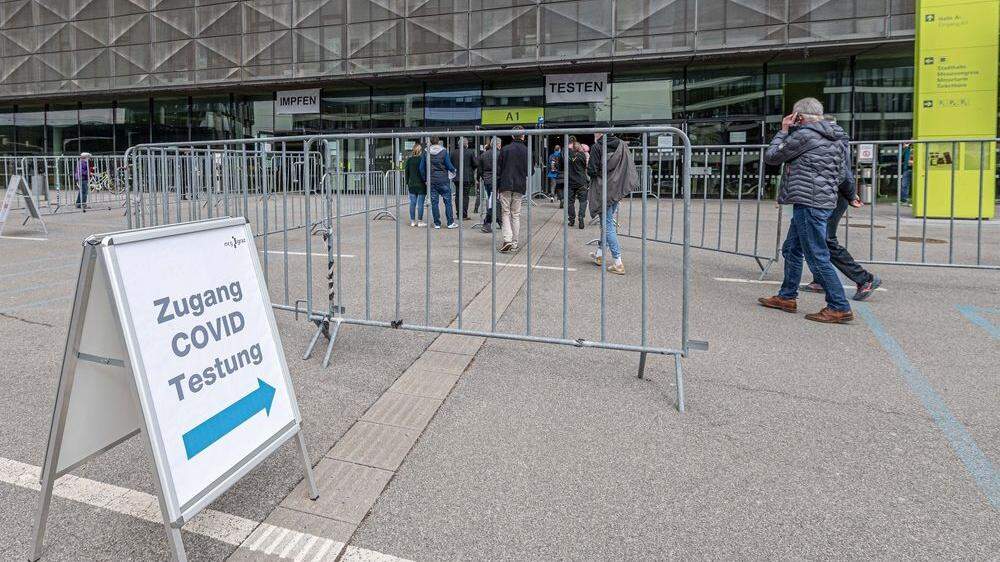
[[223, 527], [24, 238], [318, 254], [355, 554], [502, 265], [763, 282]]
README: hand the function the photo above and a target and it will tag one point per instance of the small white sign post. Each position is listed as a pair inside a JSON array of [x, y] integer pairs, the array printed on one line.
[[172, 337], [18, 187], [866, 153]]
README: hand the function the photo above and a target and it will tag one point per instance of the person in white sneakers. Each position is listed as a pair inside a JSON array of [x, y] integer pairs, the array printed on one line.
[[442, 171], [512, 184], [416, 185], [622, 179]]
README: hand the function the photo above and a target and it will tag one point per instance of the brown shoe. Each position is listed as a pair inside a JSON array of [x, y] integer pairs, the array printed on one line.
[[781, 303], [828, 316]]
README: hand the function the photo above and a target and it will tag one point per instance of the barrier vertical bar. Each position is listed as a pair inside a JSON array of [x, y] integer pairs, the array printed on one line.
[[760, 194], [722, 194], [285, 177], [979, 216], [368, 233], [704, 198], [527, 300], [605, 221], [306, 181], [461, 223], [923, 228], [565, 248], [899, 192], [397, 159], [643, 290], [494, 148], [871, 220], [951, 205], [427, 264]]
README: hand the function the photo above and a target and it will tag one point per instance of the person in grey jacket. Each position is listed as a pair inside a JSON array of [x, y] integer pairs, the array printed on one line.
[[816, 160]]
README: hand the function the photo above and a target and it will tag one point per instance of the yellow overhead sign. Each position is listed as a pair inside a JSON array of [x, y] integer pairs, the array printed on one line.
[[956, 97], [512, 115]]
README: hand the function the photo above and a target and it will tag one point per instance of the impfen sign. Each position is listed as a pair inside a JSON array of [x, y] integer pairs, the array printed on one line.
[[298, 102], [172, 337]]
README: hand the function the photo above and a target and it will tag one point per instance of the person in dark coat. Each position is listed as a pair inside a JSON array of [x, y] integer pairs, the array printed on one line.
[[484, 169], [578, 181], [512, 185], [468, 178], [813, 152], [441, 172], [416, 185]]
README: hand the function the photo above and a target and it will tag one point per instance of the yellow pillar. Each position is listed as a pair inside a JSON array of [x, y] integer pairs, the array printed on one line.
[[955, 98]]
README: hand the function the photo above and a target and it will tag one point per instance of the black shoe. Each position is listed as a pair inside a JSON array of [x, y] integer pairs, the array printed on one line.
[[582, 224], [572, 224], [487, 229], [865, 290]]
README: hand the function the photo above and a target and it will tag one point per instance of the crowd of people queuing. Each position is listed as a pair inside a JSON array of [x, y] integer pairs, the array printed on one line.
[[588, 184]]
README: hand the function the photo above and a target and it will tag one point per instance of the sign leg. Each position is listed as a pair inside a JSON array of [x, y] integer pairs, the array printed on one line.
[[642, 364], [44, 500], [313, 492], [176, 543]]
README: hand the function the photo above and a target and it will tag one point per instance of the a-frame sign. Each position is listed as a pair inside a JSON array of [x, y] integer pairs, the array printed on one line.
[[172, 337], [17, 188]]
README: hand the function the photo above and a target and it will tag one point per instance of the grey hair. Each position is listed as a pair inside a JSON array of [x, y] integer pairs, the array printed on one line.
[[811, 109]]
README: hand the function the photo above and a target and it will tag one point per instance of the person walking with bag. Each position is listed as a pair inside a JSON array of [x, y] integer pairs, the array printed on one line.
[[416, 185], [622, 179], [815, 163]]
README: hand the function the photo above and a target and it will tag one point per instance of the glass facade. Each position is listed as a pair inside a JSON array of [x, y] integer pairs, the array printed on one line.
[[871, 95]]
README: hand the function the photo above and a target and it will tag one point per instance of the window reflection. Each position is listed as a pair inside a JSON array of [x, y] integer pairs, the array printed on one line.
[[97, 128], [62, 129], [453, 107]]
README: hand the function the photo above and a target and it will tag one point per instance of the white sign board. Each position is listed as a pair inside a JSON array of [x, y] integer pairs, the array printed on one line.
[[576, 88], [664, 142], [172, 336], [737, 137], [298, 102], [866, 153]]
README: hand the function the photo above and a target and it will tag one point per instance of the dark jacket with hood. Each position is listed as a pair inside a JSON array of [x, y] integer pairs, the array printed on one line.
[[578, 169], [622, 175], [440, 166], [415, 183], [513, 164], [817, 161]]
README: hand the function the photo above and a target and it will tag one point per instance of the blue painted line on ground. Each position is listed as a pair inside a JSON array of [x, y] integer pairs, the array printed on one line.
[[33, 304], [975, 315], [979, 466]]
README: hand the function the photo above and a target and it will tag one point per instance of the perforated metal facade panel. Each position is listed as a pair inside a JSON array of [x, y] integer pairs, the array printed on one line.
[[55, 47]]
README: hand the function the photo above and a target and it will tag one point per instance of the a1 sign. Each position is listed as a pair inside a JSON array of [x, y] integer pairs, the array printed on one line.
[[185, 352], [866, 153]]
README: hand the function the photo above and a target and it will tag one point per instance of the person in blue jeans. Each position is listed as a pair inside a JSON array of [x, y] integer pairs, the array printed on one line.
[[415, 185], [441, 172], [816, 158]]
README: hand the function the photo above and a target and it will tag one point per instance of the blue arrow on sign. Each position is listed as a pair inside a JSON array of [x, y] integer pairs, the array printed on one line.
[[217, 426]]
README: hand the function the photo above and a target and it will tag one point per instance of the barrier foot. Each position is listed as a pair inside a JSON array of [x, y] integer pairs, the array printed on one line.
[[329, 346], [679, 379], [321, 328], [764, 269], [307, 465], [642, 364], [384, 215]]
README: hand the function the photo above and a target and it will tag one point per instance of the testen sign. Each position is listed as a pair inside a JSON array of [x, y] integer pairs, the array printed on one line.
[[298, 102], [576, 88], [185, 352]]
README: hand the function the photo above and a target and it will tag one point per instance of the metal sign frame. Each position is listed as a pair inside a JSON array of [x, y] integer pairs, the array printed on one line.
[[18, 187], [102, 247]]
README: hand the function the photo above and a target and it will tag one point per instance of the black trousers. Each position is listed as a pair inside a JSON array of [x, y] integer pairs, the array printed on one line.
[[577, 195], [463, 193], [839, 256]]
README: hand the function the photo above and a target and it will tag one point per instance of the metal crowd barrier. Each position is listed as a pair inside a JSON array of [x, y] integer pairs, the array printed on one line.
[[431, 281], [55, 184], [734, 212]]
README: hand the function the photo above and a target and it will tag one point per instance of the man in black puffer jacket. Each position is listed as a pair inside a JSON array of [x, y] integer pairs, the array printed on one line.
[[816, 159]]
